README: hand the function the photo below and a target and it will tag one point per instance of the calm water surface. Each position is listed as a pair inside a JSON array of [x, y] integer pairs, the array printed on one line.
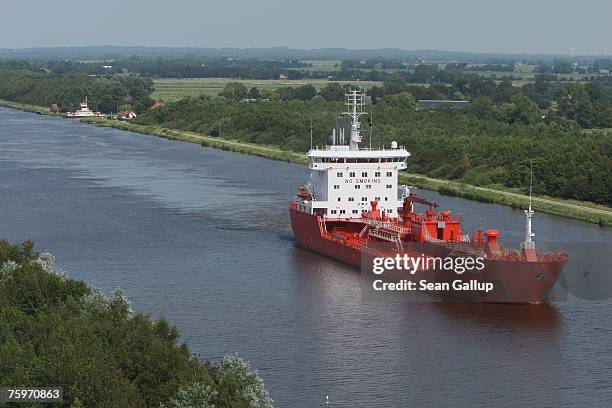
[[202, 237]]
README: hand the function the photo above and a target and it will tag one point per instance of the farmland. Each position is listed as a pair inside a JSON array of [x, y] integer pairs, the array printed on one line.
[[175, 88]]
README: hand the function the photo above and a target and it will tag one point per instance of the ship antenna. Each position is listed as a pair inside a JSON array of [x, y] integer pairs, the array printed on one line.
[[354, 103], [529, 235], [371, 124], [530, 182]]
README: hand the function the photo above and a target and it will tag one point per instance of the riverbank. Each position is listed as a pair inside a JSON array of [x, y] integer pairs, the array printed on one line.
[[582, 211], [41, 110], [565, 208]]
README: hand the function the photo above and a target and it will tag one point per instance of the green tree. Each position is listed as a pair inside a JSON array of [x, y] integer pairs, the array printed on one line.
[[254, 93], [575, 104], [395, 84], [404, 101], [194, 396], [524, 110], [333, 92], [55, 330], [240, 385], [304, 92], [234, 91]]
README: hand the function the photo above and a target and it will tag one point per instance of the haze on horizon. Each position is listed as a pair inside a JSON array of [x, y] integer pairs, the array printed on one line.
[[521, 26]]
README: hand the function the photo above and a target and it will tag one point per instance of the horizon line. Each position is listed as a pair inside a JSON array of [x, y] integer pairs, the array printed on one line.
[[282, 47]]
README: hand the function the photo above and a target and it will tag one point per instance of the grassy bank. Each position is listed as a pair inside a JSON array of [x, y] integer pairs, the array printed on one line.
[[41, 110], [584, 211], [566, 208]]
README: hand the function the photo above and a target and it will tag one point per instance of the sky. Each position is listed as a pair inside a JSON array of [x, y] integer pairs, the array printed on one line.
[[517, 26]]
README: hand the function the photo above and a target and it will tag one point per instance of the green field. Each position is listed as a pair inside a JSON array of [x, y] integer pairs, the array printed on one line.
[[321, 65], [174, 88]]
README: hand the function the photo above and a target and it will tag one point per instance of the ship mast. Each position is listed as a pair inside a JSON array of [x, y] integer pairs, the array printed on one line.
[[529, 235], [355, 103]]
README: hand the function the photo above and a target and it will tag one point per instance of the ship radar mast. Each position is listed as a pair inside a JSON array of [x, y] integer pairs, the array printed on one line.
[[529, 235], [355, 103]]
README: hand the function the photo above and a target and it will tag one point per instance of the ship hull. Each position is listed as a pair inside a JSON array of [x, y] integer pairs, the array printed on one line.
[[515, 281]]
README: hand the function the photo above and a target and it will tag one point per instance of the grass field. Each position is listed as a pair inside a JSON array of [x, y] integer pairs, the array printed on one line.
[[322, 65], [174, 88]]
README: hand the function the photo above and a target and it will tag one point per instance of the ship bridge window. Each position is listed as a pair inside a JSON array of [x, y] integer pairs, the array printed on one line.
[[362, 160], [389, 174]]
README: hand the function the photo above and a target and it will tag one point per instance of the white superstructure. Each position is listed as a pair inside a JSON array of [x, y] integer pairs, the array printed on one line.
[[346, 178], [83, 112]]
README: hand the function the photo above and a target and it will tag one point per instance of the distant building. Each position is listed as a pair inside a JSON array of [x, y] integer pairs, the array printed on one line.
[[434, 104], [54, 108], [126, 115], [282, 76], [157, 105]]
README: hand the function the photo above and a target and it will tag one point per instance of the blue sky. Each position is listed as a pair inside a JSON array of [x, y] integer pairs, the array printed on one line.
[[456, 25]]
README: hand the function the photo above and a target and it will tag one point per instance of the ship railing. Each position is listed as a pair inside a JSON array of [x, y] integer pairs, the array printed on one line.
[[388, 226], [386, 236], [381, 224], [460, 247]]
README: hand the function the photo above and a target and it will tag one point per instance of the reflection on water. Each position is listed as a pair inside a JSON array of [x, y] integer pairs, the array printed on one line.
[[203, 238], [544, 316]]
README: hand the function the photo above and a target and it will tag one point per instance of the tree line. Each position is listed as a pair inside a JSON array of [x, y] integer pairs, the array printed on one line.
[[56, 331], [492, 143], [105, 94]]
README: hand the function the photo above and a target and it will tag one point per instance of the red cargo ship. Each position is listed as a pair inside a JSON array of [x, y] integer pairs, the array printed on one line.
[[353, 211]]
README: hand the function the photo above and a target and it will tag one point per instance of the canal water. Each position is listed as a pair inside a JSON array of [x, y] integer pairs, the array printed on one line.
[[202, 237]]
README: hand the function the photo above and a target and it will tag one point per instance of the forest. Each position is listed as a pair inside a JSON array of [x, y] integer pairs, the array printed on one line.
[[105, 94], [492, 143], [58, 331]]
